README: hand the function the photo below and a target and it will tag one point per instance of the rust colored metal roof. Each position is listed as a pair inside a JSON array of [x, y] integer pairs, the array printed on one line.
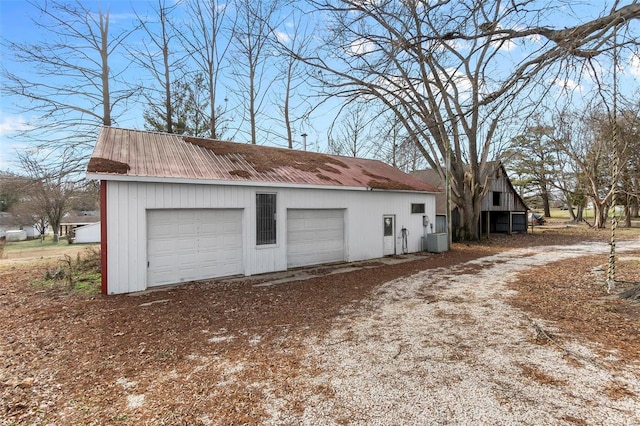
[[130, 154]]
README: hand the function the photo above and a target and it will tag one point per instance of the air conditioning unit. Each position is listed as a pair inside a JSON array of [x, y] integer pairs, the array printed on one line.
[[437, 243]]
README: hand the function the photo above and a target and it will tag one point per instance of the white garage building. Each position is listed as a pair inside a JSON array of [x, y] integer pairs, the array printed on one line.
[[177, 209]]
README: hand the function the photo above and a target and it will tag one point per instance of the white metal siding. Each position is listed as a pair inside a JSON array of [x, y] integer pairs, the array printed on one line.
[[193, 244], [128, 202], [315, 237]]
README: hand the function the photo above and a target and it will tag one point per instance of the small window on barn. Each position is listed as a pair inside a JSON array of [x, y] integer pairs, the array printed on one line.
[[496, 198], [417, 208], [265, 219]]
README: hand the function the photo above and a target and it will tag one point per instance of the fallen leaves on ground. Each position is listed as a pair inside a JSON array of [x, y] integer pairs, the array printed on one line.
[[214, 352]]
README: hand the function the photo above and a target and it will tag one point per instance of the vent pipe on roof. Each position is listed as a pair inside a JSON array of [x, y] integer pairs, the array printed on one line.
[[304, 141]]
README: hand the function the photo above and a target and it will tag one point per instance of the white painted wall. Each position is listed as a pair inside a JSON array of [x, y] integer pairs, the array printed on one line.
[[32, 232], [127, 203], [88, 233]]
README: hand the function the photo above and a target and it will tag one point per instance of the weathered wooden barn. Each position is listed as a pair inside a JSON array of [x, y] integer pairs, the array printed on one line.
[[503, 210], [177, 208]]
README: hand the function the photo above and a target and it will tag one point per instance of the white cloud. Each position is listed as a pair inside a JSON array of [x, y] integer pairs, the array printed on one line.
[[567, 84], [13, 124], [9, 126], [504, 44], [361, 47], [282, 37], [634, 64], [507, 45]]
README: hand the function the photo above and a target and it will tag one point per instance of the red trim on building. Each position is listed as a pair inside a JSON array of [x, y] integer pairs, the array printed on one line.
[[103, 233]]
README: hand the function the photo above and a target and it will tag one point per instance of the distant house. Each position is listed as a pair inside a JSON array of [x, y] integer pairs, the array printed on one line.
[[74, 220], [177, 208], [9, 222], [87, 233], [32, 231], [503, 210]]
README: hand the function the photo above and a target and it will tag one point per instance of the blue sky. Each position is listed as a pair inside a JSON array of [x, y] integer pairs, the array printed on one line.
[[16, 25]]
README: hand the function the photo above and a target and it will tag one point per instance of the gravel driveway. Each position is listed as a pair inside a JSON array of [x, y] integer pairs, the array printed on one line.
[[430, 339], [444, 347]]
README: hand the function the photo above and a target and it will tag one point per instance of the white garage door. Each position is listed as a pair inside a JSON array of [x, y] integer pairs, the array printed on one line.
[[193, 244], [315, 237]]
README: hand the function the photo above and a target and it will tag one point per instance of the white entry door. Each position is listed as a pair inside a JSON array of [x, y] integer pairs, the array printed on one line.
[[389, 235], [193, 244]]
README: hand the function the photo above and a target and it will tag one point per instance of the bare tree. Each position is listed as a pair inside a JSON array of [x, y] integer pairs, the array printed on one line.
[[158, 58], [440, 67], [206, 37], [290, 43], [629, 190], [86, 196], [28, 213], [349, 133], [588, 142], [50, 187], [69, 84], [11, 190], [252, 41]]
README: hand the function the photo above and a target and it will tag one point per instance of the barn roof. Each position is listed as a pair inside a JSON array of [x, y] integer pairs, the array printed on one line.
[[122, 154], [432, 177]]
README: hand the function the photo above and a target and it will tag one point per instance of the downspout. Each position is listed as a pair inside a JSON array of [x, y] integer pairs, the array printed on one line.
[[103, 235]]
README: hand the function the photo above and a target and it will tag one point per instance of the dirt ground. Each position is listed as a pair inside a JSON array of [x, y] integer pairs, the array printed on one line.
[[246, 352]]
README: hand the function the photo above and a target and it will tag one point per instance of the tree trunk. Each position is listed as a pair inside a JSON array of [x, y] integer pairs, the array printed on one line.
[[627, 215], [545, 203], [252, 106], [212, 106], [287, 117], [104, 54], [600, 213], [572, 215], [470, 219]]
